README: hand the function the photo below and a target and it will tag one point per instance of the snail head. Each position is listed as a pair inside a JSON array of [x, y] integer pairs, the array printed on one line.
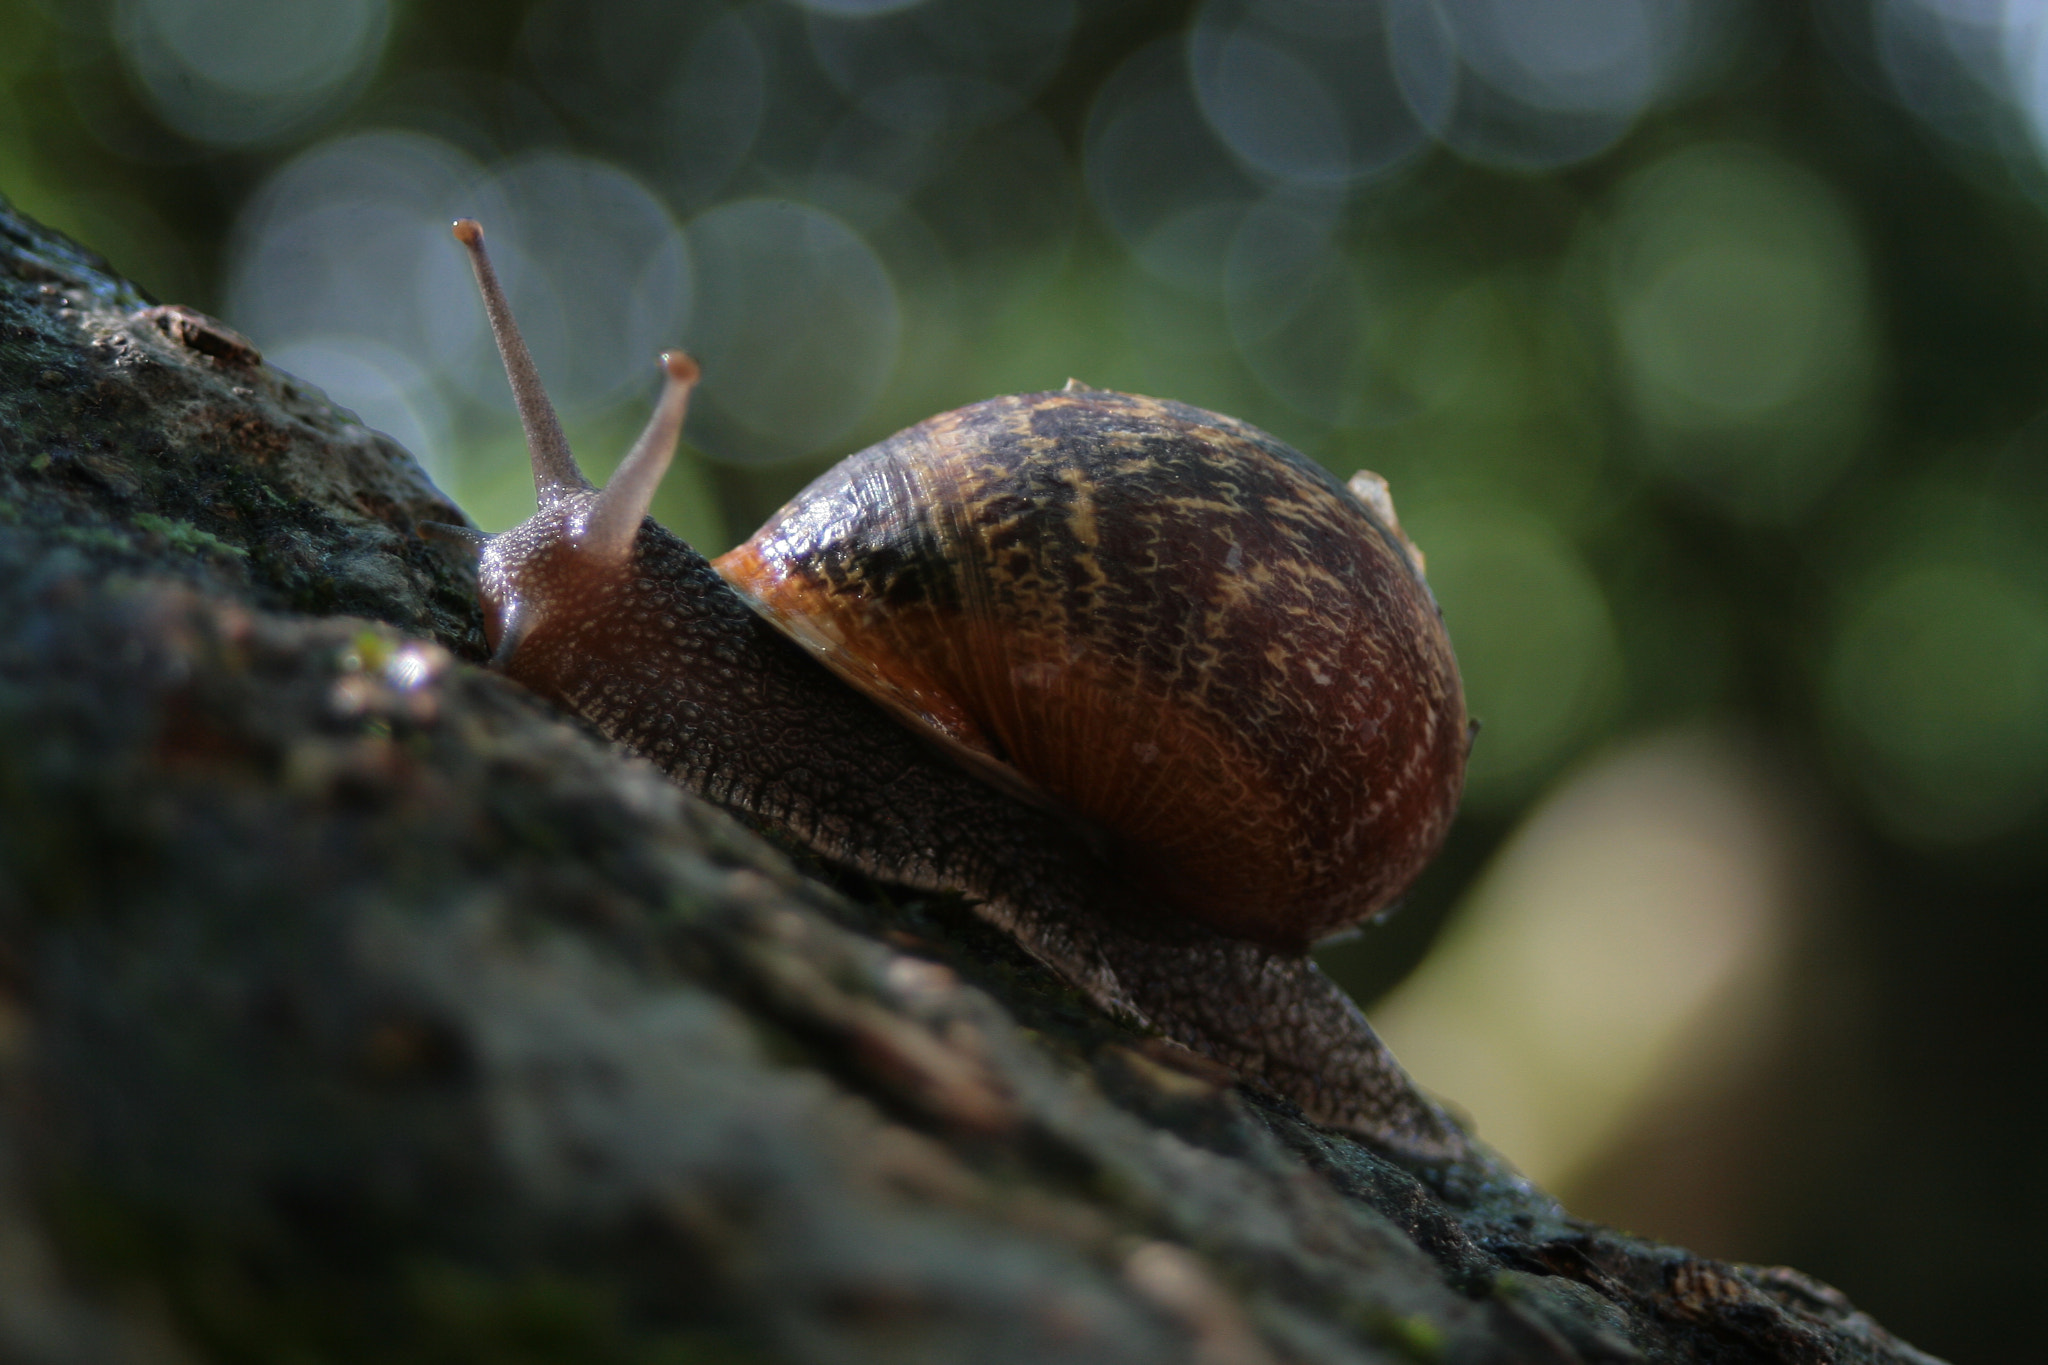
[[581, 539]]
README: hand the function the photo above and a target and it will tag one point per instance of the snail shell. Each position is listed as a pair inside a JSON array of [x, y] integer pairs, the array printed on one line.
[[1224, 663]]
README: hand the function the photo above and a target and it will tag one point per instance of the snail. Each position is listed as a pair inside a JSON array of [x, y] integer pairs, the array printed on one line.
[[1162, 698]]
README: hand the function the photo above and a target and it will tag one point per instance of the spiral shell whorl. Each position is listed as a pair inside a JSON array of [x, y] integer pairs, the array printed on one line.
[[1158, 618]]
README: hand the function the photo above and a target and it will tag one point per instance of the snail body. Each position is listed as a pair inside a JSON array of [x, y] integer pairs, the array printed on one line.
[[1163, 698]]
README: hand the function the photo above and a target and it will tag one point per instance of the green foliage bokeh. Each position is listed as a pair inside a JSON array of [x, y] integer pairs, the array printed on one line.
[[1733, 416]]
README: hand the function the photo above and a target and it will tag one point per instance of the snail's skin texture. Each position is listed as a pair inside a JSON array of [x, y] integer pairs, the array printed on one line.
[[598, 608]]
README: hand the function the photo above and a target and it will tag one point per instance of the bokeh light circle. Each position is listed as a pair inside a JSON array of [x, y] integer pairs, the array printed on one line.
[[797, 325], [1537, 84], [1302, 90], [2023, 33], [387, 390], [1740, 304], [342, 271], [858, 9], [684, 95], [1587, 56], [1159, 176], [237, 72], [1974, 70], [950, 65], [1936, 689], [1296, 308], [598, 272], [316, 239]]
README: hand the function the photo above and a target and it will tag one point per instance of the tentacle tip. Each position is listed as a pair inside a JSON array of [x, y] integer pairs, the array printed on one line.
[[680, 367], [469, 232]]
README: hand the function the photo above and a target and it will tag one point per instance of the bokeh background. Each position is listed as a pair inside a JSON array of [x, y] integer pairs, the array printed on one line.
[[1705, 344]]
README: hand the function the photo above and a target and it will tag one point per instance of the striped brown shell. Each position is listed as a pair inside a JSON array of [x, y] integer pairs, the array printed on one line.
[[1220, 660]]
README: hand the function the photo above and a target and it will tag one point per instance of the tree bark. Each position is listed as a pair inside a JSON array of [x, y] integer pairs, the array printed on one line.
[[356, 1006]]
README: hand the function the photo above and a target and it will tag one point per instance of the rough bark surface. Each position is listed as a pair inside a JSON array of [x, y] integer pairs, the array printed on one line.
[[355, 1006]]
